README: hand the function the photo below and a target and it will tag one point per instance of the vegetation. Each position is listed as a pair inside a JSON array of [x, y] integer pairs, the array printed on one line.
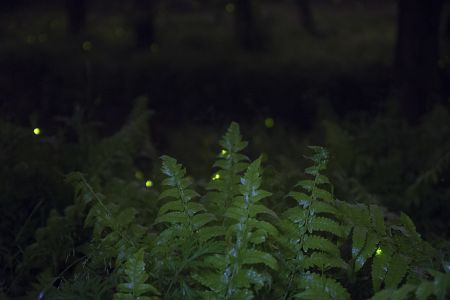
[[180, 238]]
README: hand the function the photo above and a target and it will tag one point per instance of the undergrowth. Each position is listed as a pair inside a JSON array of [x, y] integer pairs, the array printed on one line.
[[222, 240]]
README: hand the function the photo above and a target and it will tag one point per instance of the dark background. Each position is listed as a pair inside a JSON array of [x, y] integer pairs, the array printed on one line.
[[210, 61]]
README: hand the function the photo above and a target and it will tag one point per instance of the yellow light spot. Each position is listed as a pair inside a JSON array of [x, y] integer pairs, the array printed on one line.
[[37, 131], [269, 122], [139, 175], [154, 48], [378, 252], [216, 176], [223, 152], [87, 46], [230, 8], [148, 183]]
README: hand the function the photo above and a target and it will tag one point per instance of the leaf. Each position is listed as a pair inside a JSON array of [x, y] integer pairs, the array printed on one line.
[[209, 232], [261, 209], [252, 256], [172, 217], [136, 277], [171, 206], [169, 193], [235, 213], [324, 261], [424, 290], [398, 267], [368, 250], [409, 225], [322, 287], [262, 225], [306, 184], [326, 225], [322, 194], [200, 220], [320, 243], [301, 198], [380, 267], [377, 217], [358, 240], [323, 207]]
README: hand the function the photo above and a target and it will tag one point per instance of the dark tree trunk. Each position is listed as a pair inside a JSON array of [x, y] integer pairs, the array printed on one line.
[[416, 56], [76, 16], [145, 12], [306, 16], [246, 30]]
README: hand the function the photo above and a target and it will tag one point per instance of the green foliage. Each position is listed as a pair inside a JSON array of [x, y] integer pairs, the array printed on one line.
[[231, 163], [135, 287], [385, 162], [225, 241]]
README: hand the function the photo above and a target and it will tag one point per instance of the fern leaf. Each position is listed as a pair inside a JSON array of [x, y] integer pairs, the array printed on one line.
[[368, 250], [261, 209], [398, 268], [326, 225], [324, 208], [302, 199], [380, 267], [171, 206], [320, 243], [324, 261], [424, 290], [321, 287], [252, 256], [358, 240], [136, 277], [378, 219], [200, 220]]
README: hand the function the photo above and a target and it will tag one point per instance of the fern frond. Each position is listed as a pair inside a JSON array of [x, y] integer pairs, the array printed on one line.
[[136, 286], [231, 163], [321, 287]]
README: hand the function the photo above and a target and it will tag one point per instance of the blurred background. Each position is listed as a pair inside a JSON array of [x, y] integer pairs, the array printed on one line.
[[369, 79], [208, 61]]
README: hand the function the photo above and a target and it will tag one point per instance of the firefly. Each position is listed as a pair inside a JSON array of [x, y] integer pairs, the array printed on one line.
[[269, 122], [378, 252]]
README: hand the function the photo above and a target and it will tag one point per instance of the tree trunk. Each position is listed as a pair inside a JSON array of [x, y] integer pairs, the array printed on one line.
[[416, 56], [76, 16], [306, 16], [246, 30], [145, 11]]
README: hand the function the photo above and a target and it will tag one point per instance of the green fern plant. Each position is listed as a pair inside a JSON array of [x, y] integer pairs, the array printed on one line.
[[136, 287], [225, 242], [224, 186], [312, 229], [186, 238], [237, 273]]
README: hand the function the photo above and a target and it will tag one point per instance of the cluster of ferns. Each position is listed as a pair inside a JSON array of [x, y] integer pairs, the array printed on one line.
[[223, 242]]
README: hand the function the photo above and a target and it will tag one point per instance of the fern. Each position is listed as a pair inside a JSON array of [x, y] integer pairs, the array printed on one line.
[[225, 242], [185, 240], [224, 186], [236, 273], [439, 287], [313, 226], [136, 286]]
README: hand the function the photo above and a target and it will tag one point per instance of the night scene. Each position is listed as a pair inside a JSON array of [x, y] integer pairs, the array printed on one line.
[[224, 149]]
